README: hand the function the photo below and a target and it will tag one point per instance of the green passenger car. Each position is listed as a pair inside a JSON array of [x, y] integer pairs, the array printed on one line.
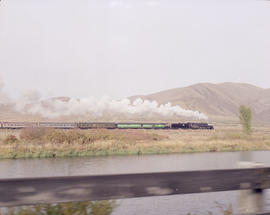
[[157, 126], [127, 126], [147, 126]]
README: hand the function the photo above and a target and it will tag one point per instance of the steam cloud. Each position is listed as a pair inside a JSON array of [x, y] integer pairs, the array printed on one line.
[[31, 103], [3, 96], [54, 108]]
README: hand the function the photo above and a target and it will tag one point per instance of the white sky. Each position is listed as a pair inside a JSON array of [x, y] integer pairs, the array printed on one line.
[[126, 47]]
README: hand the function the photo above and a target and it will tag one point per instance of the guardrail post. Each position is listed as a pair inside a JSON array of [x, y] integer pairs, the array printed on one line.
[[249, 201]]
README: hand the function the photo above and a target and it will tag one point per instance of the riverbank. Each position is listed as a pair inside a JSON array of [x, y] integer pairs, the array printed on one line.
[[39, 143]]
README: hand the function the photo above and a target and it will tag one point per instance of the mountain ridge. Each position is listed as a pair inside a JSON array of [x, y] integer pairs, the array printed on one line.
[[217, 100]]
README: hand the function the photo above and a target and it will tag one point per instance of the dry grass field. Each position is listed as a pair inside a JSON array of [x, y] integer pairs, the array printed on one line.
[[29, 143]]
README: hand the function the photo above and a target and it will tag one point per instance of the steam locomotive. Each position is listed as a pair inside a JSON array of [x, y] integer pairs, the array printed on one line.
[[104, 125]]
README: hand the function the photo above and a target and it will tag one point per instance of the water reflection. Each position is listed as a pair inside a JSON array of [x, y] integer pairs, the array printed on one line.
[[123, 164]]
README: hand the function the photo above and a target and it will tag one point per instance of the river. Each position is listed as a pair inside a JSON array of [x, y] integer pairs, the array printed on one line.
[[167, 205]]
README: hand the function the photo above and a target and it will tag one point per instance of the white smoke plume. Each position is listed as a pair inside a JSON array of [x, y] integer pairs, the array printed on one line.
[[28, 99], [32, 103], [53, 108], [3, 96]]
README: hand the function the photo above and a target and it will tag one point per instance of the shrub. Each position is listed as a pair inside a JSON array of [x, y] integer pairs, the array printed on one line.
[[10, 139], [55, 136], [74, 208], [30, 134], [102, 208], [245, 118]]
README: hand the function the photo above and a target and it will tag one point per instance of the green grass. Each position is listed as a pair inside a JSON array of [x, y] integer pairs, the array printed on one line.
[[72, 208]]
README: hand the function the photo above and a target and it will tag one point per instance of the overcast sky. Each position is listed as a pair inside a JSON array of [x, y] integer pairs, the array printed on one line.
[[121, 48]]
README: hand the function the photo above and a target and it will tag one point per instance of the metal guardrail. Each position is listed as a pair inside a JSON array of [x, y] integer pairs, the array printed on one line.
[[29, 191], [263, 213]]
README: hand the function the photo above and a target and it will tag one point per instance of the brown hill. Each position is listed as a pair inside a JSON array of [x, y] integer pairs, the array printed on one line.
[[219, 101]]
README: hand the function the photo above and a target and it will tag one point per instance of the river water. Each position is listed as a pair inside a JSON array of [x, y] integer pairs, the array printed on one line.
[[167, 205]]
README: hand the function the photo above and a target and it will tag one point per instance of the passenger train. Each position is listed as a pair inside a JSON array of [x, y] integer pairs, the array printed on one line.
[[104, 125]]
